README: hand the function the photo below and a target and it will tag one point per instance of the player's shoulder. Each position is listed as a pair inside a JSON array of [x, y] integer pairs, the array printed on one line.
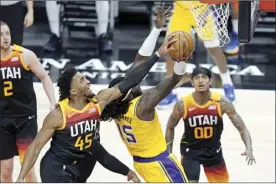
[[216, 96], [187, 96], [55, 118]]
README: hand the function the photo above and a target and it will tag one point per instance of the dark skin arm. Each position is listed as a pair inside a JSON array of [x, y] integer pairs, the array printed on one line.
[[228, 108], [173, 121], [151, 97], [53, 121]]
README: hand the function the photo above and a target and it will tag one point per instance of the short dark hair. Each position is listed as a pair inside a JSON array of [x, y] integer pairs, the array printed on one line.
[[201, 70], [64, 83], [117, 108]]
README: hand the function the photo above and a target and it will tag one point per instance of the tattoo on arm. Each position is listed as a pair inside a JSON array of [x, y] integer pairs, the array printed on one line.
[[176, 115], [155, 95], [228, 108]]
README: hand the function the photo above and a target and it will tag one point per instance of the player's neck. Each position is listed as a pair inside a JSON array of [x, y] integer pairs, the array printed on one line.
[[202, 98], [6, 53], [78, 103]]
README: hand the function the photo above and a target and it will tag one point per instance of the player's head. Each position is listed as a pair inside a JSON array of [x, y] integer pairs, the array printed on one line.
[[118, 107], [201, 79], [73, 83], [5, 36]]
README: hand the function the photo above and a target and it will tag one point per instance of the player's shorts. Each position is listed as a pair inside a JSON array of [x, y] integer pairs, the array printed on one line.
[[16, 134], [183, 20], [212, 161], [162, 168], [53, 170]]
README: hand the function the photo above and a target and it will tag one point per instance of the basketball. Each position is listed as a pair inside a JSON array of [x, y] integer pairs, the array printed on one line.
[[183, 48]]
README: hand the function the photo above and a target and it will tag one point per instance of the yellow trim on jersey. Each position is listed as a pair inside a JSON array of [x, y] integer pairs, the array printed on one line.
[[184, 108], [21, 49], [63, 115], [135, 107], [7, 57]]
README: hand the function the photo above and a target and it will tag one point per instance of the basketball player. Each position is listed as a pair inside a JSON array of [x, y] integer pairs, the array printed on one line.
[[18, 108], [140, 129], [183, 20], [102, 10], [144, 52], [233, 46], [202, 113], [72, 123]]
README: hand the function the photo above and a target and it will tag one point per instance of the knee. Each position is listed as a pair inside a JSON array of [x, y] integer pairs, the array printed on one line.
[[6, 172]]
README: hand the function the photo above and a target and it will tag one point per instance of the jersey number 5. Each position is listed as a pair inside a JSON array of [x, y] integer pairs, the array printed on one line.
[[84, 143], [127, 131], [203, 132], [7, 88]]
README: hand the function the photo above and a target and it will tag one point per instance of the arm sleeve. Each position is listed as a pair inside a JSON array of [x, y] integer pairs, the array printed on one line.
[[108, 161]]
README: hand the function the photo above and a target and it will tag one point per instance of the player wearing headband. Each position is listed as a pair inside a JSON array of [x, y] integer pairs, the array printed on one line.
[[202, 113]]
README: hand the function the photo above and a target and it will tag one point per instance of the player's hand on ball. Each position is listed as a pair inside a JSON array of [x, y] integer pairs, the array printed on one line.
[[162, 15], [164, 50], [249, 156], [132, 176]]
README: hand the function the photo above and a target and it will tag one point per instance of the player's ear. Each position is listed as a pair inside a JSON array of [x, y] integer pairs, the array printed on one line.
[[192, 83], [73, 92], [210, 82]]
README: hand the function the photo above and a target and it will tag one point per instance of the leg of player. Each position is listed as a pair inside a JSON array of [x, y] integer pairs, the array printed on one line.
[[26, 132], [6, 170], [233, 46], [217, 173], [102, 9], [191, 166], [54, 43], [220, 59]]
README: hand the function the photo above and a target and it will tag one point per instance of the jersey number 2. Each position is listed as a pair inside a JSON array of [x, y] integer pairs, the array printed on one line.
[[84, 143], [7, 88], [203, 132], [130, 138]]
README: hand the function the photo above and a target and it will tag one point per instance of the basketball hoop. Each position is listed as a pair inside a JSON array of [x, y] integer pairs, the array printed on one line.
[[211, 17]]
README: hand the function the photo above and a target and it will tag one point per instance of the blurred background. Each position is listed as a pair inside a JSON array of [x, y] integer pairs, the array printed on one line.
[[70, 33]]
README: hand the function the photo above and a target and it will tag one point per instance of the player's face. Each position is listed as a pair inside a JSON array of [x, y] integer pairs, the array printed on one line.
[[81, 86], [5, 37], [201, 83]]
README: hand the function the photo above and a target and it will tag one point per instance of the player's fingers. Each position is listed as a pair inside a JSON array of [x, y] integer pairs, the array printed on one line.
[[168, 10], [158, 8], [169, 14], [163, 4], [171, 41]]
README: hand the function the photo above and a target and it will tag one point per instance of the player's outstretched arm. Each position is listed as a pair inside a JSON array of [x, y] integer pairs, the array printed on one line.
[[111, 163], [174, 118], [52, 121], [36, 67], [132, 79], [148, 45], [153, 96], [228, 108]]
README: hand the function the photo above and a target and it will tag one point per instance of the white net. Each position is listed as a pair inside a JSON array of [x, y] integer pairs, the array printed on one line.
[[211, 20]]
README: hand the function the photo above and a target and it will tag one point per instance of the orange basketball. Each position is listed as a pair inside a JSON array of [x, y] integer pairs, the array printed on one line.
[[183, 48]]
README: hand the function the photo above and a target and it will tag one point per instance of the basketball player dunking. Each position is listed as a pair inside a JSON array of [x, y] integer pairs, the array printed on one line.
[[72, 124], [18, 108], [202, 113], [137, 120]]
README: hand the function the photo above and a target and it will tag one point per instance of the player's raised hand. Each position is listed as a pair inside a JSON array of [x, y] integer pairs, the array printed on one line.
[[161, 15], [249, 156], [132, 176], [164, 49]]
